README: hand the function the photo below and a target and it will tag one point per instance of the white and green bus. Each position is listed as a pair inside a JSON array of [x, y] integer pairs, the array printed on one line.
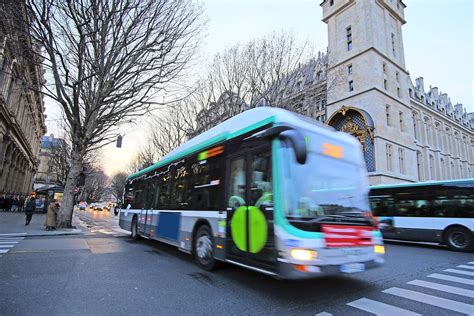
[[268, 190]]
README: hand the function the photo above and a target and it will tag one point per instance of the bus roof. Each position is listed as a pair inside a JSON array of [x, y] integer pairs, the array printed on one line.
[[426, 183], [240, 124]]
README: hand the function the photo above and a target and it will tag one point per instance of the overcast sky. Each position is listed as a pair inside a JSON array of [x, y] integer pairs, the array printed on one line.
[[438, 41]]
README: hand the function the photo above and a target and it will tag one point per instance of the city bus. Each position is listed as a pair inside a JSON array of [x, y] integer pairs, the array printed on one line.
[[437, 211], [268, 190]]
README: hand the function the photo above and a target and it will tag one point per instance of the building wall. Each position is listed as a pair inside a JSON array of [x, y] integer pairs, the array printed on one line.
[[21, 110], [367, 36]]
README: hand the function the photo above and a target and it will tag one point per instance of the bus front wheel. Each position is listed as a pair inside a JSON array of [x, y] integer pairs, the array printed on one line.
[[203, 248], [459, 239]]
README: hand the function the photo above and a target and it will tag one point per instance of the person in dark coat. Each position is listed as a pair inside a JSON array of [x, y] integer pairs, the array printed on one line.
[[2, 201], [8, 203], [29, 210]]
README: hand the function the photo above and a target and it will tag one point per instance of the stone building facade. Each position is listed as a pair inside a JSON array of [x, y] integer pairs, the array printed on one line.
[[408, 134], [21, 109], [362, 87], [51, 169]]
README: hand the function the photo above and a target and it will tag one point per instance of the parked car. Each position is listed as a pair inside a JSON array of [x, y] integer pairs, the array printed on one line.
[[82, 206]]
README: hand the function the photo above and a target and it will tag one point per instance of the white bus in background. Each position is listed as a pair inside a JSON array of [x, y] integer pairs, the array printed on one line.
[[268, 190], [437, 211]]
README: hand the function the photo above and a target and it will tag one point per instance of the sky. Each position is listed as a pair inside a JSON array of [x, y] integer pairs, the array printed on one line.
[[438, 42]]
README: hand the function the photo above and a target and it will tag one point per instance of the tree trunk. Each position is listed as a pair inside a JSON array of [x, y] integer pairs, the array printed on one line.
[[67, 204]]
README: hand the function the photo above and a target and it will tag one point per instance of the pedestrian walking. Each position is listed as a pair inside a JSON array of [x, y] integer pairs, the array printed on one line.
[[51, 216], [29, 209], [2, 202], [8, 203]]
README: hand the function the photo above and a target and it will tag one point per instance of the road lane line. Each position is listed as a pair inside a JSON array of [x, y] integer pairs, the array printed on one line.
[[8, 242], [6, 246], [432, 300], [4, 250], [451, 278], [469, 273], [379, 308], [466, 267], [442, 287]]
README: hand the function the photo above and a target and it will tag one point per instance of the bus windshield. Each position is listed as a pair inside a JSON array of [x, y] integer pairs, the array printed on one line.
[[322, 186]]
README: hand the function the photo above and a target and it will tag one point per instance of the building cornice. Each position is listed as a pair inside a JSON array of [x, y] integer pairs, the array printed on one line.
[[368, 90], [439, 115], [365, 51]]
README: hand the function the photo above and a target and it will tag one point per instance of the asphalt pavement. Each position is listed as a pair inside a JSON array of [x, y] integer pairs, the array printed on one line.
[[104, 272]]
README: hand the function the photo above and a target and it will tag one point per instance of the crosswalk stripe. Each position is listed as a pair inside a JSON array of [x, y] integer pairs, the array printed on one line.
[[323, 314], [11, 239], [432, 300], [379, 308], [460, 272], [442, 287], [6, 246], [472, 262], [451, 278], [4, 250], [8, 242], [466, 267], [13, 234]]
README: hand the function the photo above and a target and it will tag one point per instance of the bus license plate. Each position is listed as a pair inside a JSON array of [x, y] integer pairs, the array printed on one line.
[[352, 267]]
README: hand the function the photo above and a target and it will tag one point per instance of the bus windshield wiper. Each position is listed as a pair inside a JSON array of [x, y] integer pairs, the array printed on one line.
[[325, 218]]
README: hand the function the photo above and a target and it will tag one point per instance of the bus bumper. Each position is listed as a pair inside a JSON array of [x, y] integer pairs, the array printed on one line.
[[289, 271]]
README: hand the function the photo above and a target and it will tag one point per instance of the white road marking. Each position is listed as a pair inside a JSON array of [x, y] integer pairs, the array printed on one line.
[[6, 246], [466, 267], [13, 234], [472, 262], [379, 308], [442, 287], [432, 300], [4, 250], [323, 314], [451, 278], [469, 273], [8, 242]]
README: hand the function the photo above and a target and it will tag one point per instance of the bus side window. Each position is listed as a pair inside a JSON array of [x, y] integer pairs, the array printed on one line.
[[261, 185]]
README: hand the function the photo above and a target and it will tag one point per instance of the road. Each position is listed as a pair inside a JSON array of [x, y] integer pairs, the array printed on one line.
[[103, 272]]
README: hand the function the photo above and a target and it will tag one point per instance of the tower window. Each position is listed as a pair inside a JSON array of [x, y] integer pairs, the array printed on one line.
[[401, 160], [402, 123], [389, 157], [349, 38], [385, 84], [397, 76], [384, 67], [349, 70], [398, 93], [351, 85], [331, 2], [393, 44], [387, 114]]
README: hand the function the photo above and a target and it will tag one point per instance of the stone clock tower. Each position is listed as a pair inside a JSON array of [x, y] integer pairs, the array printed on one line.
[[368, 84]]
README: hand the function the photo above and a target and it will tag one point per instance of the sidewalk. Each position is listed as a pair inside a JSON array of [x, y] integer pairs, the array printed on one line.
[[13, 223]]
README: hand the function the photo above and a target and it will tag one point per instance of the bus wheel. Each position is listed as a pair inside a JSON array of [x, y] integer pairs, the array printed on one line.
[[134, 229], [203, 248], [459, 239]]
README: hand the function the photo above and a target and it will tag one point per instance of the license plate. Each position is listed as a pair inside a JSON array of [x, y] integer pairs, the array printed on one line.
[[352, 267]]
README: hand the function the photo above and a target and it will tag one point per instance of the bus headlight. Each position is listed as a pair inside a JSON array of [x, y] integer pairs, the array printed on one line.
[[303, 254], [379, 249]]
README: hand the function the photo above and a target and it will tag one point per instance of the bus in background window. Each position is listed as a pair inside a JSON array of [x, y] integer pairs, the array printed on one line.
[[268, 190], [439, 211]]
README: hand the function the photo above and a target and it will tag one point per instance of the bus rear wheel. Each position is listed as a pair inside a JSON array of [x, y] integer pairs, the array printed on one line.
[[203, 248], [459, 239], [134, 229]]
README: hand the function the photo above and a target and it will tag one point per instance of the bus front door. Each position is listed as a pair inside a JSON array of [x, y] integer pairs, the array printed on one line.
[[249, 199]]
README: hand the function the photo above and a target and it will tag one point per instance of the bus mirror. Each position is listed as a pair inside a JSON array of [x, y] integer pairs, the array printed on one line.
[[298, 143]]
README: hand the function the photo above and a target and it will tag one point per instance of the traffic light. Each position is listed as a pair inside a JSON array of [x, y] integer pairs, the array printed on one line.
[[119, 142]]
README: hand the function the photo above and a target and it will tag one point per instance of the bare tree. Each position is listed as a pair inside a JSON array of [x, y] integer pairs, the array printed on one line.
[[95, 185], [106, 63], [60, 160], [117, 184]]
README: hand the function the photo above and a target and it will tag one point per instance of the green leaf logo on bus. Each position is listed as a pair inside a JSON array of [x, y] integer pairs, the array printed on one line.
[[257, 229]]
